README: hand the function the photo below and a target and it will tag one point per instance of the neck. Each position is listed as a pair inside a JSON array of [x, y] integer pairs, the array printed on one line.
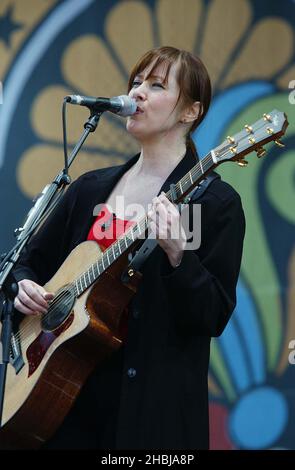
[[159, 159]]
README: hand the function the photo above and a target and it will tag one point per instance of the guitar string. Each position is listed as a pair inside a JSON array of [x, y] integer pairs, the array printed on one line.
[[142, 224]]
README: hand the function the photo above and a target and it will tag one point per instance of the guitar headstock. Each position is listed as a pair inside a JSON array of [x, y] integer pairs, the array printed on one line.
[[269, 128]]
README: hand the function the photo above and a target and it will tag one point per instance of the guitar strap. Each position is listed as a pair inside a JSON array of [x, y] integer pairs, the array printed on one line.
[[150, 244]]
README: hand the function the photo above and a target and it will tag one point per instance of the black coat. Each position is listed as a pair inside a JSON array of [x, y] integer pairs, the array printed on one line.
[[160, 376]]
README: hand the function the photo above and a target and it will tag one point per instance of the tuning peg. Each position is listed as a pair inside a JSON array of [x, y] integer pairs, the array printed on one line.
[[267, 117], [242, 163], [260, 152], [279, 143], [249, 129]]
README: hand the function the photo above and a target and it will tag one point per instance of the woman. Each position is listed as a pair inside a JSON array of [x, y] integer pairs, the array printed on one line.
[[152, 393]]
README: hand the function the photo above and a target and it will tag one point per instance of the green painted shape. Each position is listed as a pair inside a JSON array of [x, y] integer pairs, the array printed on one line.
[[218, 367], [258, 269], [282, 175]]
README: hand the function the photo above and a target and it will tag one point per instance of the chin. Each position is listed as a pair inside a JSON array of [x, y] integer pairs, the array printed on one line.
[[135, 130]]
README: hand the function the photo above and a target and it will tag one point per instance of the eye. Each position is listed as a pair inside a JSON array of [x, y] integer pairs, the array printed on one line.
[[158, 84], [136, 83]]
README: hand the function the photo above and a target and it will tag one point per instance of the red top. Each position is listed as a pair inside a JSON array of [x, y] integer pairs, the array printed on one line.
[[106, 229]]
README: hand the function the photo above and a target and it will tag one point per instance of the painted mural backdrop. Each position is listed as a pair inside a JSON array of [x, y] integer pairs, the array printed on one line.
[[50, 48]]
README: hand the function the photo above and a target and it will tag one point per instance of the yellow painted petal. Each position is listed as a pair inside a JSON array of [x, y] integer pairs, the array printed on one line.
[[267, 50], [46, 115], [222, 33], [89, 68], [284, 79], [112, 135], [129, 29], [41, 163], [46, 120], [178, 22]]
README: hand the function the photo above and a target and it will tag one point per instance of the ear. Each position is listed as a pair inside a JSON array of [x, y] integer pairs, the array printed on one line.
[[191, 113]]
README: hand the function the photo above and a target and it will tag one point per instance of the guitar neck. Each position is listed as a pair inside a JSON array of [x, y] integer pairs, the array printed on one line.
[[138, 230], [268, 128]]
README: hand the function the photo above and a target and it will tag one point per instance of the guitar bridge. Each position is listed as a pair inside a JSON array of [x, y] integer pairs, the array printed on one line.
[[16, 358]]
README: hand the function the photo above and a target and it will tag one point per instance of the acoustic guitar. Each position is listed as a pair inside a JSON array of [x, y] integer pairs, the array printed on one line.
[[52, 354]]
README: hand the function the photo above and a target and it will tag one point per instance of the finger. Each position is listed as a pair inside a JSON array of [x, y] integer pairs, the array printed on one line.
[[48, 296], [162, 220], [172, 207], [164, 215], [153, 229], [28, 302], [36, 293], [164, 201], [23, 308]]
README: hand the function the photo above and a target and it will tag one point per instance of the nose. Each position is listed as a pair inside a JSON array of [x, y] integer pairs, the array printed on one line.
[[139, 93]]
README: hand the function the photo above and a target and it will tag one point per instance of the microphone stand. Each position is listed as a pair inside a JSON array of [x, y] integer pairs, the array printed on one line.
[[41, 209]]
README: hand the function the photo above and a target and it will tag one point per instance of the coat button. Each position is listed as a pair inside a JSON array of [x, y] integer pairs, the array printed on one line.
[[131, 372]]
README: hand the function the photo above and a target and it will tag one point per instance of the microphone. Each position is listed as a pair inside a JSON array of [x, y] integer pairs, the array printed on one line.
[[122, 105]]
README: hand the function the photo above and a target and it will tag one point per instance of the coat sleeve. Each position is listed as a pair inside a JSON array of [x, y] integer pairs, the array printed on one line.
[[48, 247], [203, 288]]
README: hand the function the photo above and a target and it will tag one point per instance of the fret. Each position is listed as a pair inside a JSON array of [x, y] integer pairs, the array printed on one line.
[[102, 263], [137, 230], [200, 163], [122, 248], [119, 248], [89, 279], [98, 270], [81, 287], [213, 156], [129, 238], [77, 287], [114, 254], [108, 257], [85, 280], [190, 175], [93, 273], [209, 162], [181, 187], [186, 183]]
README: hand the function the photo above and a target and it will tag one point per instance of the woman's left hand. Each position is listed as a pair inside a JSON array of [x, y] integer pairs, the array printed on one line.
[[165, 223]]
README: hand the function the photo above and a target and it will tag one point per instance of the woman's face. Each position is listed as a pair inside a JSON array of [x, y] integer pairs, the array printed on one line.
[[157, 113]]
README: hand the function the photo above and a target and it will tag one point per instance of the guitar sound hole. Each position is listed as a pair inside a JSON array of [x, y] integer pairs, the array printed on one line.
[[59, 309]]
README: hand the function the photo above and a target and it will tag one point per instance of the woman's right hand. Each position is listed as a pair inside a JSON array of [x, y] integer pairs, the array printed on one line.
[[32, 298]]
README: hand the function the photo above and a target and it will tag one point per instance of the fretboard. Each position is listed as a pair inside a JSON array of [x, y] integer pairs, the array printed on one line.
[[138, 230]]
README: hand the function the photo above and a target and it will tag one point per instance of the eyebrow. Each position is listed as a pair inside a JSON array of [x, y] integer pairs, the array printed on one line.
[[140, 75]]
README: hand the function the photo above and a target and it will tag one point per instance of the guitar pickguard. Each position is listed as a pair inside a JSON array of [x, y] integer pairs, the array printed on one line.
[[37, 350]]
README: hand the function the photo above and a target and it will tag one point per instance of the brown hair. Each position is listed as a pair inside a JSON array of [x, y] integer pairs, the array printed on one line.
[[192, 77]]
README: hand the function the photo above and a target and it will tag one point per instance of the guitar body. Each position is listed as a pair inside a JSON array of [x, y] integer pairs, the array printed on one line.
[[55, 364]]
